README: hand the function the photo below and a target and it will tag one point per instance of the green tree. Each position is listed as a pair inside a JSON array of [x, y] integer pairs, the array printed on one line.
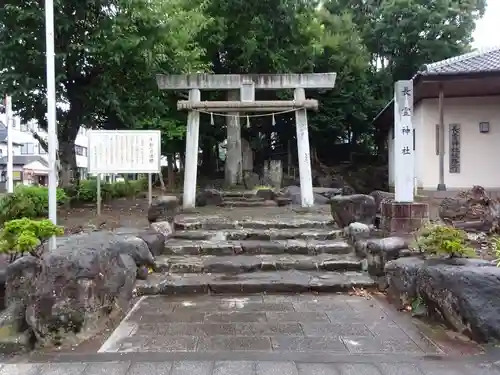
[[344, 114], [107, 54], [402, 35]]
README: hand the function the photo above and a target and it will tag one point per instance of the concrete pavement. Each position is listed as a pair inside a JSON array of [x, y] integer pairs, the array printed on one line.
[[127, 367]]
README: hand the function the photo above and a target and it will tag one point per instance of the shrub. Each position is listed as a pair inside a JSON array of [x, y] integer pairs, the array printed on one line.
[[435, 239], [495, 244], [21, 236], [87, 190], [28, 201]]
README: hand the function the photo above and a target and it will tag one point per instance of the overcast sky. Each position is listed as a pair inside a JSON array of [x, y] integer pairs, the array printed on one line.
[[488, 29]]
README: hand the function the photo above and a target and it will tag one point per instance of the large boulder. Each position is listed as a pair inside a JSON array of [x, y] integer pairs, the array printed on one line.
[[353, 208], [84, 280], [21, 279], [209, 197], [163, 208], [465, 293], [471, 210]]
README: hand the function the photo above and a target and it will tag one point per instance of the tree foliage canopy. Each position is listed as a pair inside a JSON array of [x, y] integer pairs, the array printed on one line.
[[108, 52]]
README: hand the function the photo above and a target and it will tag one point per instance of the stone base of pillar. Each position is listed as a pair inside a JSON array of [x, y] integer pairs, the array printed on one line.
[[403, 218]]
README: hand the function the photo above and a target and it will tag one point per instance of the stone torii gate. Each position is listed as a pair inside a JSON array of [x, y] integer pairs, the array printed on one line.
[[246, 84]]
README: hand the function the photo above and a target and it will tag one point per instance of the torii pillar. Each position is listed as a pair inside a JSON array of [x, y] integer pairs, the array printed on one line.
[[246, 84]]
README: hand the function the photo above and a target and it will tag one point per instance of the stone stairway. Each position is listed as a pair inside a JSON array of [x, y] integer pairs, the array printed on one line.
[[215, 254], [252, 199]]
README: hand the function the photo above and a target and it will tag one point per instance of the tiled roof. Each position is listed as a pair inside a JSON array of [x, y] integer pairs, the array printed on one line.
[[480, 61], [486, 60], [24, 159]]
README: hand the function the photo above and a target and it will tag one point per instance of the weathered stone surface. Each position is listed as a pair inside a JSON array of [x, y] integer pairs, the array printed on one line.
[[379, 196], [248, 263], [248, 203], [471, 210], [453, 209], [216, 222], [166, 229], [356, 231], [218, 247], [21, 280], [14, 342], [209, 197], [81, 282], [154, 239], [465, 296], [163, 208], [258, 282], [283, 201], [260, 234], [250, 179], [266, 194], [353, 208], [321, 197], [379, 251]]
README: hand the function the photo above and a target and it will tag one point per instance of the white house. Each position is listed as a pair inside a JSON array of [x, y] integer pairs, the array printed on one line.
[[25, 144], [462, 96]]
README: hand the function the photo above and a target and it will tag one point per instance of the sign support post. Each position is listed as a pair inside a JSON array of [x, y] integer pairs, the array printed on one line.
[[150, 188], [99, 198]]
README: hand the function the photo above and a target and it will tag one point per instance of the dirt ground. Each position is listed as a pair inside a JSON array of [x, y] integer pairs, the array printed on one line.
[[123, 212], [132, 213]]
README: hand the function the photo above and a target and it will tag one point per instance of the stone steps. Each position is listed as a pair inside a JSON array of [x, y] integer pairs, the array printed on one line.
[[237, 264], [238, 194], [245, 199], [248, 203], [240, 252], [260, 234], [291, 281], [216, 222], [252, 247]]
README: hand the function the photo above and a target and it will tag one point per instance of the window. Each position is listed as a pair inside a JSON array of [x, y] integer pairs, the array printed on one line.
[[41, 151], [1, 152], [80, 150], [28, 149]]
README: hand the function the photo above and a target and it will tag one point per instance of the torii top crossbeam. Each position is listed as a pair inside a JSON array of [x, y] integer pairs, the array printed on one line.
[[235, 81]]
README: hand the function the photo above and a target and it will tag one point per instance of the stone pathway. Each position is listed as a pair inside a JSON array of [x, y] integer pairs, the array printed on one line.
[[320, 325], [262, 335]]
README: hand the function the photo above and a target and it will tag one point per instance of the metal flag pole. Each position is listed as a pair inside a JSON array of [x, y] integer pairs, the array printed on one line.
[[51, 114], [10, 153]]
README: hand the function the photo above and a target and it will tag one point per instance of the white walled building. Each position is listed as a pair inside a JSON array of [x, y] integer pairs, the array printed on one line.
[[465, 93], [25, 144]]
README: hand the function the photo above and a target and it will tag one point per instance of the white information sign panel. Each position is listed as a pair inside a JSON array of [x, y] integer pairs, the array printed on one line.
[[124, 151]]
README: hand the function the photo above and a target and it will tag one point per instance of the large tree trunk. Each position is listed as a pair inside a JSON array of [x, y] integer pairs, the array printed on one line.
[[69, 173]]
